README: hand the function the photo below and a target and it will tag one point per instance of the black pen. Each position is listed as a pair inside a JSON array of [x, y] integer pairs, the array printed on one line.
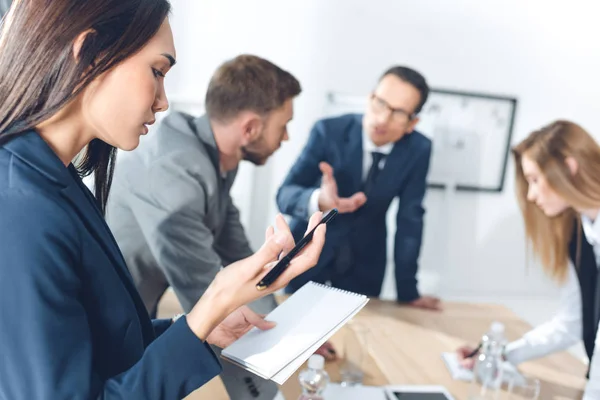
[[474, 352], [278, 269]]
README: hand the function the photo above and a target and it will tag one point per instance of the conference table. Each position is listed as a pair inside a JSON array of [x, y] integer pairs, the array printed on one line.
[[404, 347]]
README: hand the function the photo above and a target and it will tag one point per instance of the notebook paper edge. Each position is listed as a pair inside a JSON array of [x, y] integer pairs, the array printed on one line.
[[285, 374], [227, 354], [272, 371], [305, 354], [245, 366]]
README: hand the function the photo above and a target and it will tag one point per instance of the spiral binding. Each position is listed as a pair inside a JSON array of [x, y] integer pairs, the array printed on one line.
[[336, 289]]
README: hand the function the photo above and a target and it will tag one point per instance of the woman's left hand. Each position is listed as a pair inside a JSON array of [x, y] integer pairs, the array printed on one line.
[[237, 324], [236, 285]]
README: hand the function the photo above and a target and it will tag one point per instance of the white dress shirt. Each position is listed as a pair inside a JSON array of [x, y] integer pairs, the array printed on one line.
[[368, 148], [566, 328]]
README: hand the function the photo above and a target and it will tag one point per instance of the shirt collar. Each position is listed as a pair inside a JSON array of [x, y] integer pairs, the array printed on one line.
[[591, 229], [369, 146]]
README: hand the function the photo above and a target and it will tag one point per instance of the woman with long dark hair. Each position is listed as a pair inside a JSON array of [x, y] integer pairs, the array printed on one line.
[[79, 78]]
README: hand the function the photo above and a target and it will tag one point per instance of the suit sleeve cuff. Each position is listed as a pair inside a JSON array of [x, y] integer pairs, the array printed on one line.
[[406, 294], [160, 326], [313, 202], [191, 356]]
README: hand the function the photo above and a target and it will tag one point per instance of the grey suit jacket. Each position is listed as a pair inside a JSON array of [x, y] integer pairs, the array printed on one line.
[[172, 215], [171, 211]]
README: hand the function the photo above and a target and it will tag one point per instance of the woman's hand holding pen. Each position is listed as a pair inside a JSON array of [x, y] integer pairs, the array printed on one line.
[[235, 285], [467, 356]]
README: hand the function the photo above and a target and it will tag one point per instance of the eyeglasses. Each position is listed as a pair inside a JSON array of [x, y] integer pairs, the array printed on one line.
[[398, 115]]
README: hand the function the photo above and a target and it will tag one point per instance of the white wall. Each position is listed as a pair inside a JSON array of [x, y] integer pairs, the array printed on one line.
[[542, 52]]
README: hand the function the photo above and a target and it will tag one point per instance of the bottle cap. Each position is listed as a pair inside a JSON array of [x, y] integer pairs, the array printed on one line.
[[316, 361], [497, 328]]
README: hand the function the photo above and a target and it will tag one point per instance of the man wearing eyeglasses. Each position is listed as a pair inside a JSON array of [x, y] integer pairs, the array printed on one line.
[[359, 164]]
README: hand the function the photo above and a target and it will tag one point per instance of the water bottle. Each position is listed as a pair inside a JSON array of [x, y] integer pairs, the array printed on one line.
[[314, 379], [487, 372]]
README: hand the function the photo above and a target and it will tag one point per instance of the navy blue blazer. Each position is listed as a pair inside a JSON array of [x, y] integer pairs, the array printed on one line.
[[72, 325], [338, 141]]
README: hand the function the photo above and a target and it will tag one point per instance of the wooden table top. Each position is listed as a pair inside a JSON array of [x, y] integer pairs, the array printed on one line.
[[405, 345]]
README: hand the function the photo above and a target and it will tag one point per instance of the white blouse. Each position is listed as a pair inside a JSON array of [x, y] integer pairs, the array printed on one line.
[[566, 328]]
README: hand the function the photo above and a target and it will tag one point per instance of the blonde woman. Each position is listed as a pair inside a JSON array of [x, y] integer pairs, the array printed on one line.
[[558, 188]]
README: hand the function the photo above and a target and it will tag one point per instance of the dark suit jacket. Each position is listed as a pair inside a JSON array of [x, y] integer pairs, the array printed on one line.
[[338, 141], [581, 254], [72, 325]]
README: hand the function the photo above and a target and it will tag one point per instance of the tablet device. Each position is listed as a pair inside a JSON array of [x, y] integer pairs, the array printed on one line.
[[417, 392]]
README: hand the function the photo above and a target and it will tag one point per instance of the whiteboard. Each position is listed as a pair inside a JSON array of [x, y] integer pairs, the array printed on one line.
[[471, 135]]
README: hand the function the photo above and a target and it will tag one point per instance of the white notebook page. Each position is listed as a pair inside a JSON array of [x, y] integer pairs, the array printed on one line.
[[304, 321]]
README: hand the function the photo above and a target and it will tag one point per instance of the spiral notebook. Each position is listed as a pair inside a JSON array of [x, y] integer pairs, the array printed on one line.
[[304, 322]]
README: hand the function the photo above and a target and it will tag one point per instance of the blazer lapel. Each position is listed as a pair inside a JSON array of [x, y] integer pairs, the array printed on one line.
[[86, 207], [33, 150], [205, 134], [84, 203], [354, 154]]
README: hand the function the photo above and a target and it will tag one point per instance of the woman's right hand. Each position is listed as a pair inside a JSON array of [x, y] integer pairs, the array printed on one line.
[[235, 285], [463, 354]]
